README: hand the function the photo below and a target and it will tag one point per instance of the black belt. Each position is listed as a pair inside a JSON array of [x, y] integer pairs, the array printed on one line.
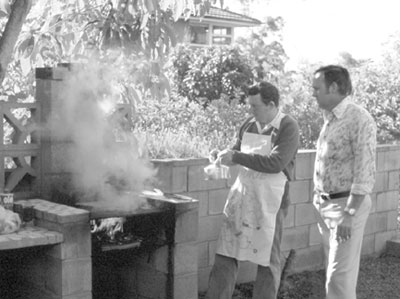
[[327, 196]]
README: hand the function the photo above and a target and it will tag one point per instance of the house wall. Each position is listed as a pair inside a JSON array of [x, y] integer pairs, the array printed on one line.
[[181, 30], [300, 229]]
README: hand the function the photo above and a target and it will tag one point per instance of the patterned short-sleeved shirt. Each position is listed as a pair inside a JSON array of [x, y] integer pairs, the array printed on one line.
[[346, 150]]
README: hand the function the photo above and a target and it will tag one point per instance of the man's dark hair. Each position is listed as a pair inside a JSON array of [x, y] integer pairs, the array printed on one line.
[[268, 92], [339, 75]]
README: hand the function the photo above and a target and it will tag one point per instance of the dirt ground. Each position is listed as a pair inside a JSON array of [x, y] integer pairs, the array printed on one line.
[[378, 279]]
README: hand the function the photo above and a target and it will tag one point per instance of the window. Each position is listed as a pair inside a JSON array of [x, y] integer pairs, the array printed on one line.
[[221, 35], [200, 35]]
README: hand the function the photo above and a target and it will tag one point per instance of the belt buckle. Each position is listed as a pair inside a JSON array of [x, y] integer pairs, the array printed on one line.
[[325, 196]]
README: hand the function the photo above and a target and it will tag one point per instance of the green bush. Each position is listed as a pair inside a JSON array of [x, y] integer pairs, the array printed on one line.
[[205, 74], [180, 129]]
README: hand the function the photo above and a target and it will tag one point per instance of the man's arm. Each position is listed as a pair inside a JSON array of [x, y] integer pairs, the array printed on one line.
[[281, 154], [364, 147]]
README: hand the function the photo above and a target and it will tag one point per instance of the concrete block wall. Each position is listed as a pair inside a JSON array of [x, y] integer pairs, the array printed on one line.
[[169, 271], [185, 176], [69, 264], [60, 271]]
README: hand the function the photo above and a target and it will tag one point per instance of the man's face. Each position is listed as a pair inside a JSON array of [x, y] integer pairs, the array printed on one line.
[[321, 92], [260, 111]]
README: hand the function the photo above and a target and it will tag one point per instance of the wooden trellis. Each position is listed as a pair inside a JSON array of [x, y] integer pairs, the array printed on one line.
[[20, 148]]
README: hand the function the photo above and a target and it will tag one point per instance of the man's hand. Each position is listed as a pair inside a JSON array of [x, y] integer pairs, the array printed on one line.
[[343, 231], [225, 157], [212, 157]]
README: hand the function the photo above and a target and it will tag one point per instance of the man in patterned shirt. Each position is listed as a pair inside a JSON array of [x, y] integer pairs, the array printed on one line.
[[344, 176]]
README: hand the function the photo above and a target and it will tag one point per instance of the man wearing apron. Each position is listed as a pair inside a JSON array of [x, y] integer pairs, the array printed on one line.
[[257, 203]]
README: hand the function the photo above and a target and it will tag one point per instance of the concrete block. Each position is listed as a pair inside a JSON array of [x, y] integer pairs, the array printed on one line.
[[289, 219], [368, 245], [373, 203], [392, 161], [392, 220], [212, 248], [394, 180], [387, 201], [304, 168], [202, 258], [171, 179], [311, 258], [380, 161], [73, 215], [77, 241], [376, 222], [295, 238], [209, 227], [28, 237], [393, 247], [186, 286], [186, 226], [315, 236], [203, 277], [69, 276], [202, 197], [381, 240], [59, 213], [185, 258], [304, 214], [216, 201], [300, 191], [381, 181]]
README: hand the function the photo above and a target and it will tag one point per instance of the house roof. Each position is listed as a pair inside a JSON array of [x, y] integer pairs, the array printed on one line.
[[228, 17]]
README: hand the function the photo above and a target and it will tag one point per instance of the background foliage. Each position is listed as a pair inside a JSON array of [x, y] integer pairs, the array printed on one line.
[[187, 101]]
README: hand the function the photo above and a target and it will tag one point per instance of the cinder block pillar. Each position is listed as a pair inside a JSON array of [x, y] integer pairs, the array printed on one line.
[[49, 89], [185, 251], [67, 267]]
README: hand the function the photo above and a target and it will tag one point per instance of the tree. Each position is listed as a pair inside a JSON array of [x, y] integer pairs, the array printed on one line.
[[264, 48], [17, 13], [70, 30]]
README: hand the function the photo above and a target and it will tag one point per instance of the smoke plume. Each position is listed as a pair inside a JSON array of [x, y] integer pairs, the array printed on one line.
[[93, 120]]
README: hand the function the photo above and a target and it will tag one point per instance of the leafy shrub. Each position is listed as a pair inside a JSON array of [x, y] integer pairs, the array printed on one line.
[[205, 74], [297, 100], [179, 128], [377, 88]]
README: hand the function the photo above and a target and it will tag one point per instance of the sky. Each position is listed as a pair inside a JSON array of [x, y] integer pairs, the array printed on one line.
[[318, 30]]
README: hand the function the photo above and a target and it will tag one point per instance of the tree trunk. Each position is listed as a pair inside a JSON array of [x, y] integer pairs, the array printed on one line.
[[19, 11]]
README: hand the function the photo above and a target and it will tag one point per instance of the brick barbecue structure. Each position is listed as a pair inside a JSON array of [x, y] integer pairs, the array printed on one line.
[[54, 257]]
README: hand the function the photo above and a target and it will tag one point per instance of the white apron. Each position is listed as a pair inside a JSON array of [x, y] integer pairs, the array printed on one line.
[[250, 210]]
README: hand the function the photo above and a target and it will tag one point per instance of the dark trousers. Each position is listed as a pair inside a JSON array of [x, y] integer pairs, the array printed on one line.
[[225, 270]]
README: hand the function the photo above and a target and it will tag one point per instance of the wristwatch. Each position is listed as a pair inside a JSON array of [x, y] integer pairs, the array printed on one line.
[[350, 211]]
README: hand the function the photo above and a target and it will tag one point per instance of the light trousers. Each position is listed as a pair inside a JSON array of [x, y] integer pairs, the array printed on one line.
[[225, 270], [342, 260]]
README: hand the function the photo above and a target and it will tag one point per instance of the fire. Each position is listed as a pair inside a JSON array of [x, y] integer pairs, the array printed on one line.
[[109, 226]]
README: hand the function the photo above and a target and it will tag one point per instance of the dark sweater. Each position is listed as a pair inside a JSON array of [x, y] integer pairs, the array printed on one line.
[[285, 143]]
